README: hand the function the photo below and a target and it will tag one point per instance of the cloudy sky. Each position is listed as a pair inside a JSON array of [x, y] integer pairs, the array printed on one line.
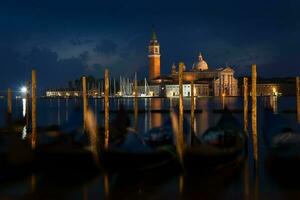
[[63, 40]]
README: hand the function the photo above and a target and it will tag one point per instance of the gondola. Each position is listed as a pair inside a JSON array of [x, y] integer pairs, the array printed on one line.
[[219, 146], [66, 152], [16, 157], [63, 154], [282, 139], [130, 150], [136, 153]]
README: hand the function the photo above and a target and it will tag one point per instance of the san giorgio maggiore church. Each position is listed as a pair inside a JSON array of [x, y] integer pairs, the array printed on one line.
[[207, 81]]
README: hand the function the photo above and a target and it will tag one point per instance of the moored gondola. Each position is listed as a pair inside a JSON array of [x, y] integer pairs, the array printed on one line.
[[218, 147], [131, 150], [15, 157], [139, 153], [282, 139]]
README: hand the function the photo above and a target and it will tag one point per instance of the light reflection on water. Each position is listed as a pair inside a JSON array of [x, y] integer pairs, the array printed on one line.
[[24, 107], [24, 113], [24, 132], [62, 112]]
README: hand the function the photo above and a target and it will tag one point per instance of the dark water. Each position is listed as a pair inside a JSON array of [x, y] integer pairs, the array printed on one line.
[[241, 182]]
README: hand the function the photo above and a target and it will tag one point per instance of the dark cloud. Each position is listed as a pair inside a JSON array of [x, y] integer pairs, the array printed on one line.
[[51, 70], [84, 56], [79, 42], [106, 47]]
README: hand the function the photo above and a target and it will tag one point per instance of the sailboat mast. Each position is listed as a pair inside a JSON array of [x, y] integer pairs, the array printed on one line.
[[114, 87], [145, 87]]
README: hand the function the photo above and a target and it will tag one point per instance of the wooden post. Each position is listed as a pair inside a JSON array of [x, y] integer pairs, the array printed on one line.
[[136, 106], [245, 104], [9, 101], [33, 183], [192, 107], [246, 164], [254, 100], [298, 97], [106, 186], [85, 102], [181, 185], [106, 105], [254, 131], [180, 128], [33, 109], [254, 112]]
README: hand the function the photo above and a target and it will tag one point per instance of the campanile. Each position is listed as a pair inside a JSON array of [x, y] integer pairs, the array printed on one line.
[[154, 58]]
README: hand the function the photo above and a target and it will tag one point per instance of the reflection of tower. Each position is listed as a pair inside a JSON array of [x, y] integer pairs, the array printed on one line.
[[154, 58], [156, 117]]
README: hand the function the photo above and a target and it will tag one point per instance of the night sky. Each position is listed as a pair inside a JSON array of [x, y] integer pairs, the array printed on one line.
[[63, 40]]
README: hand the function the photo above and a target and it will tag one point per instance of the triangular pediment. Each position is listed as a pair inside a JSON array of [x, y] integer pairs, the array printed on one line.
[[227, 69]]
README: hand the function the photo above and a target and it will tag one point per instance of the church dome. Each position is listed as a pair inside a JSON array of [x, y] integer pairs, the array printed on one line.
[[201, 65]]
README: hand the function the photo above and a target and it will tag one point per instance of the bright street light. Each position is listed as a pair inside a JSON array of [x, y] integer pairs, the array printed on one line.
[[23, 89]]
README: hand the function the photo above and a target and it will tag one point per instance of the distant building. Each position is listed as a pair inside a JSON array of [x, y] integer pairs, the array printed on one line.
[[271, 86], [208, 82], [200, 89], [65, 93]]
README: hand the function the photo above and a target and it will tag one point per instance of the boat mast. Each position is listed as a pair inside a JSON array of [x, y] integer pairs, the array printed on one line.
[[114, 87], [145, 87]]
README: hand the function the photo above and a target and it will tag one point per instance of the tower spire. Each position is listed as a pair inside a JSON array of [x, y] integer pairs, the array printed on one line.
[[154, 36]]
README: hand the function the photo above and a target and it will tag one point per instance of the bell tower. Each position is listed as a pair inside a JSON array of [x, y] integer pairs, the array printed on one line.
[[154, 57]]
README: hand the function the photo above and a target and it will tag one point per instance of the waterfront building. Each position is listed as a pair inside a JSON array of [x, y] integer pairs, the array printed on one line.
[[208, 82], [273, 86], [67, 93]]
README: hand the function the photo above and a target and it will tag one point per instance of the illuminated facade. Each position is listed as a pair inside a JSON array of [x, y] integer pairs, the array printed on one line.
[[201, 89]]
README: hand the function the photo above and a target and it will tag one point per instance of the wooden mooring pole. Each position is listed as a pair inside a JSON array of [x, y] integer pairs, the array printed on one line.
[[9, 101], [298, 97], [180, 128], [85, 102], [106, 108], [246, 188], [245, 104], [33, 109], [254, 131], [192, 107], [254, 111], [106, 186]]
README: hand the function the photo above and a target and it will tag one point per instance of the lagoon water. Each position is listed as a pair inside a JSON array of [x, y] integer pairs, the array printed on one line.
[[240, 183]]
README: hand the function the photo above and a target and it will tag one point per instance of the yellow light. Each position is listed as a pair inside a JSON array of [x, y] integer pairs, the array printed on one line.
[[274, 91]]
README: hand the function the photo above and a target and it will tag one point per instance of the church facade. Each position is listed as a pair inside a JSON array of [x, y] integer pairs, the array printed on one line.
[[208, 82]]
